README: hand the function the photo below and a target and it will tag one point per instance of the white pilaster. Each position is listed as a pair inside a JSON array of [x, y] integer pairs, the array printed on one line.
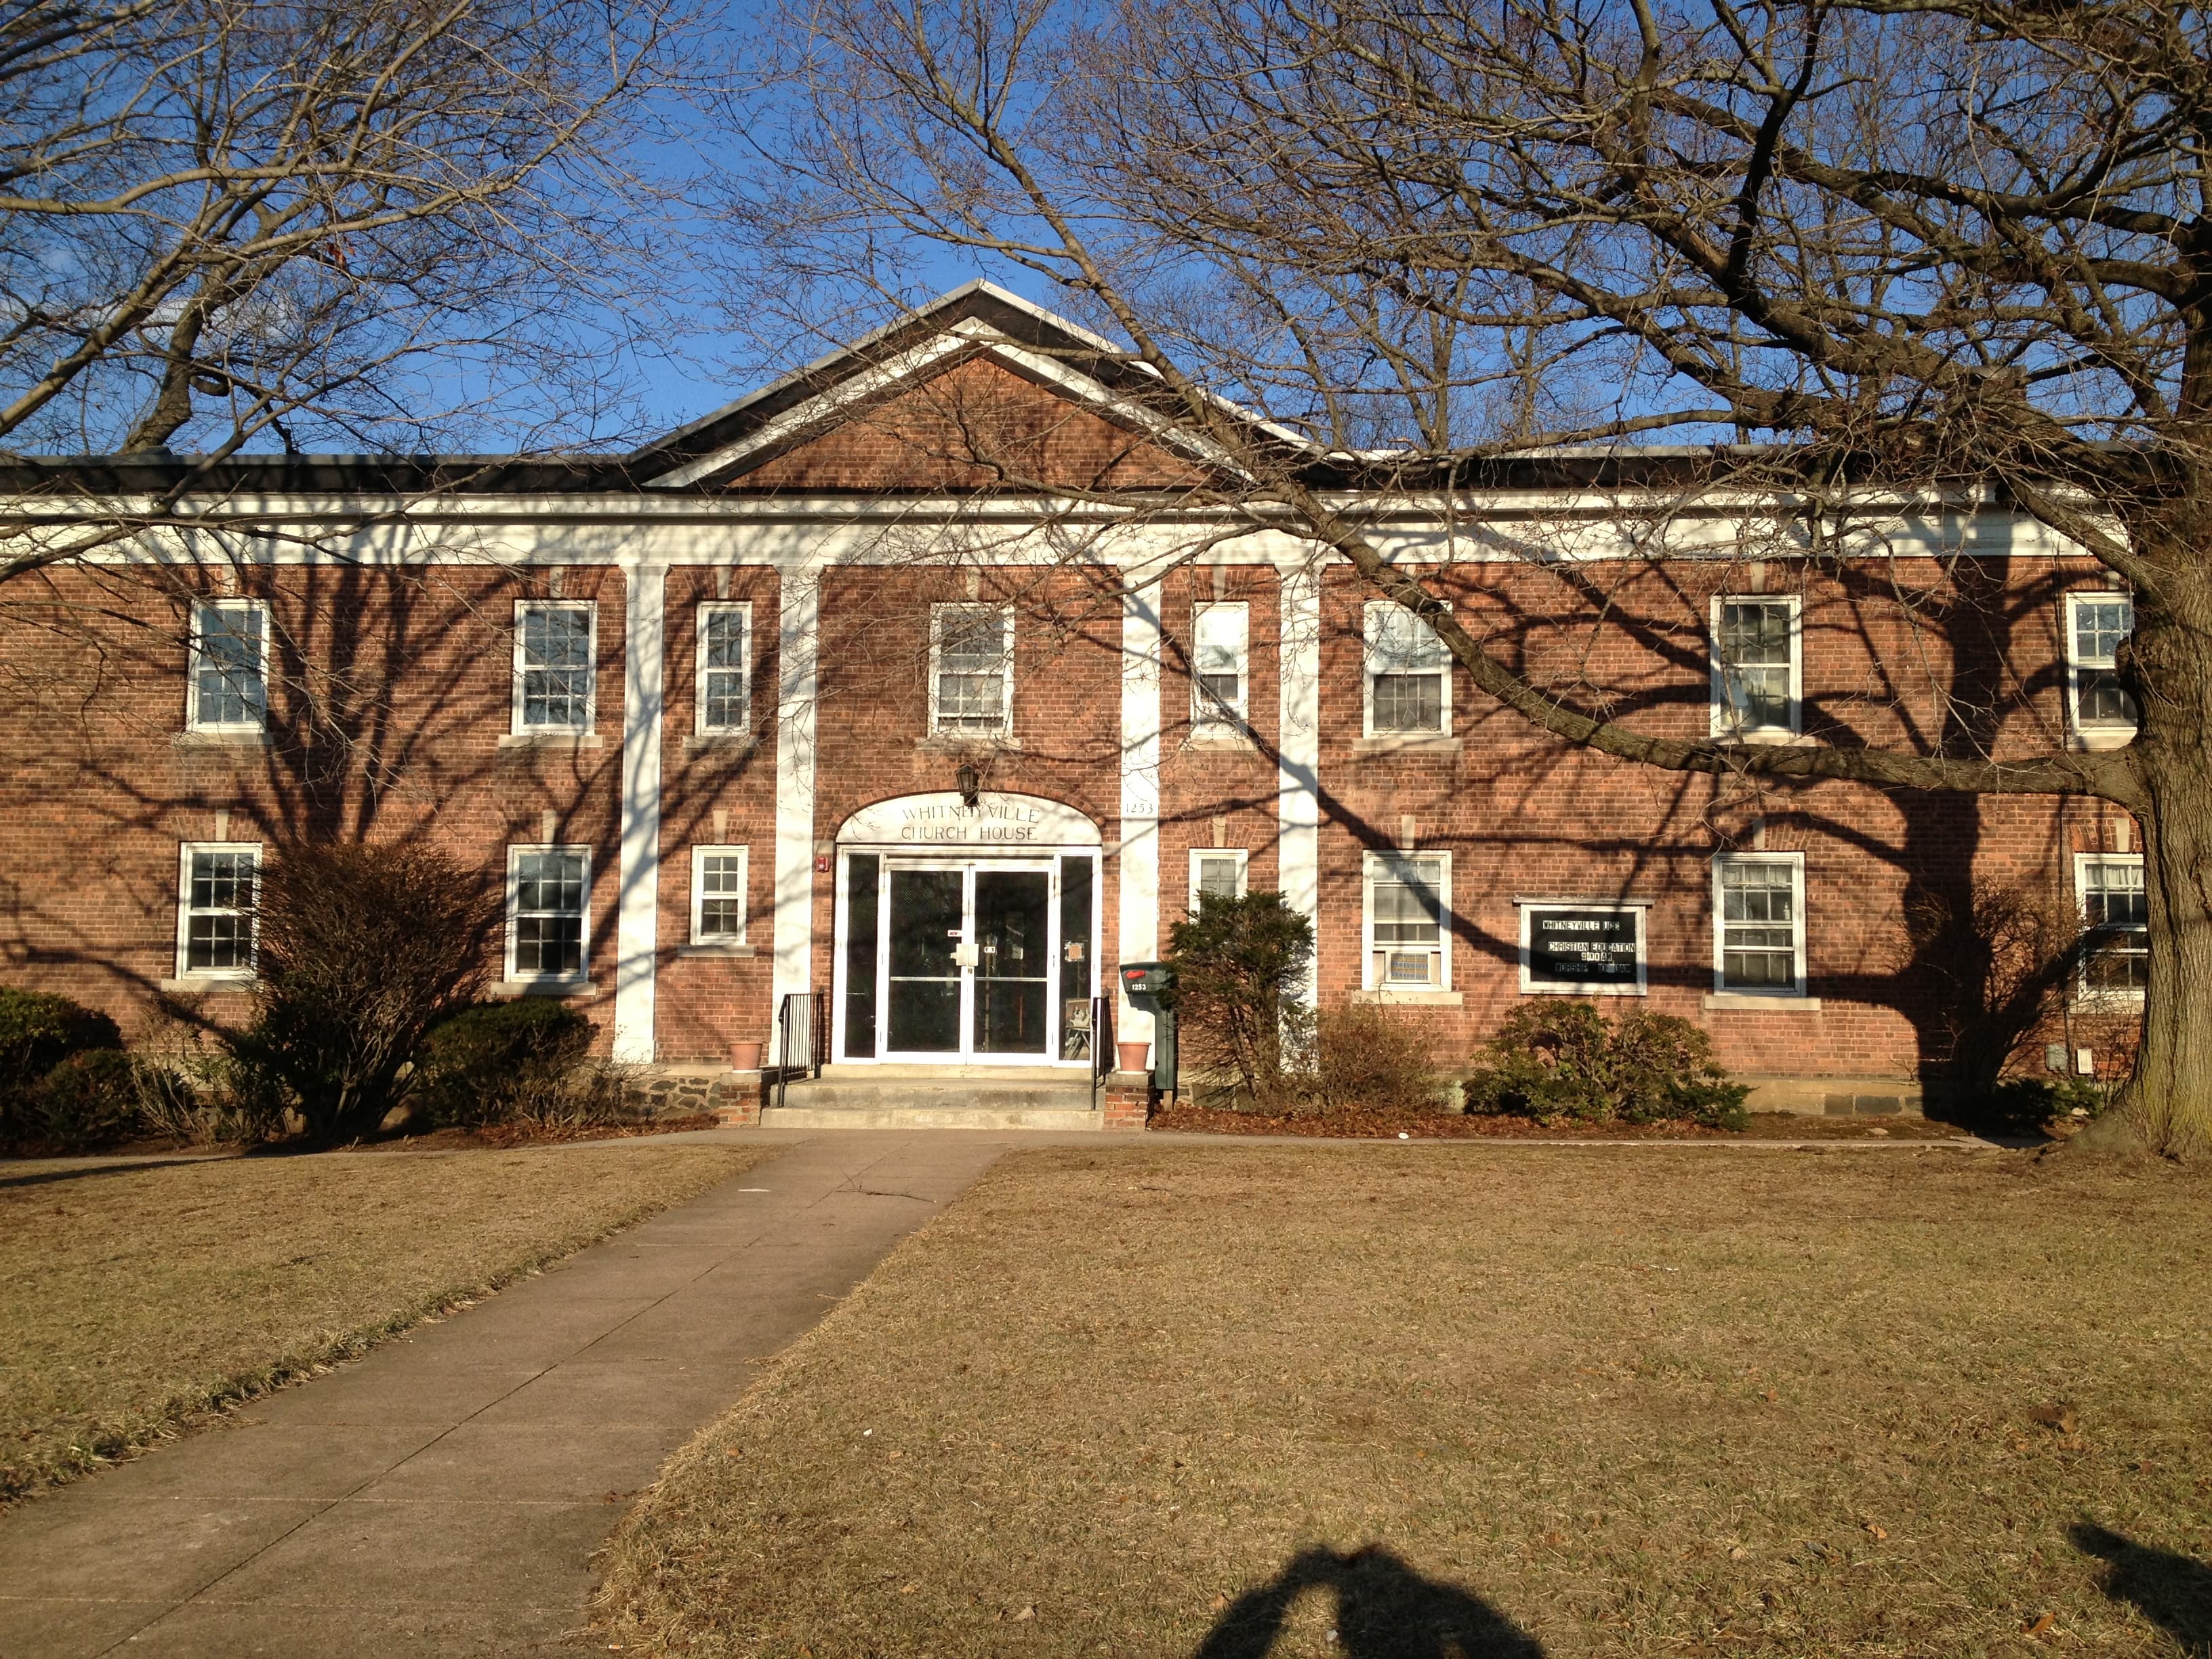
[[799, 617], [1139, 860], [1297, 776], [637, 904]]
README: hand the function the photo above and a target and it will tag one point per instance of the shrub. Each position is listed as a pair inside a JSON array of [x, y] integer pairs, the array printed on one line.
[[38, 1030], [1555, 1060], [1997, 957], [1240, 964], [90, 1099], [1366, 1055], [362, 950], [502, 1060]]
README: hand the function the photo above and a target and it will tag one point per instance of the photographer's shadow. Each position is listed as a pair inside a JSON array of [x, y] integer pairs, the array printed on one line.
[[1384, 1610]]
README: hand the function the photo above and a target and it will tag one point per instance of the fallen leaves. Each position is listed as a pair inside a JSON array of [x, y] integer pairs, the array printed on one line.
[[2039, 1624], [2058, 1415]]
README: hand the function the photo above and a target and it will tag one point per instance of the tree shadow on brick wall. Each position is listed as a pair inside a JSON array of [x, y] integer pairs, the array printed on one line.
[[1383, 1610], [2173, 1591]]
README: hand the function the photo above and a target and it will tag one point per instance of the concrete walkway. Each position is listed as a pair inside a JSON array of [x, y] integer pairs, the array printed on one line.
[[443, 1495]]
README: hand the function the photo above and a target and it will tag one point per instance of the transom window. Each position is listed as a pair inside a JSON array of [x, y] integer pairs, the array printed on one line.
[[1408, 673], [1756, 667], [718, 896], [725, 666], [1759, 915], [220, 893], [2095, 624], [1217, 870], [972, 649], [1408, 901], [2116, 924], [547, 911], [1220, 665], [230, 665], [554, 673]]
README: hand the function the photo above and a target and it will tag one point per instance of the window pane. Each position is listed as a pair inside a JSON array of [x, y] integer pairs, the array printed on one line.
[[549, 946], [1758, 932], [2099, 625], [971, 669], [1754, 648], [720, 918], [1217, 876], [1409, 702], [1407, 908], [2102, 702], [1217, 695], [557, 669], [722, 647], [230, 687], [216, 944], [1398, 642]]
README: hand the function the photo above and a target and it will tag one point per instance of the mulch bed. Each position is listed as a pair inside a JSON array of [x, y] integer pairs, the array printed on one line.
[[1391, 1124]]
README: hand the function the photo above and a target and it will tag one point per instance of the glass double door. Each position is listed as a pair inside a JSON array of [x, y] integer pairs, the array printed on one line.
[[969, 956]]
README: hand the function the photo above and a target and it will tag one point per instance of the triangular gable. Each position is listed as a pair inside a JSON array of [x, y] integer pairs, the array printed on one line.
[[978, 391]]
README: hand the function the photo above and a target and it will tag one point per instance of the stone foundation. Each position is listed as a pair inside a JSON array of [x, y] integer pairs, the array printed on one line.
[[733, 1097], [1836, 1096]]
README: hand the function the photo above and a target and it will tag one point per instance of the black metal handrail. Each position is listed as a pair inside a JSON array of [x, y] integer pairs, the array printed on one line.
[[802, 1036], [1102, 1044]]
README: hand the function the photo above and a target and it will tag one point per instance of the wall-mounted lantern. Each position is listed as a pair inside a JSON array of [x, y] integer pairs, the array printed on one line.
[[970, 782]]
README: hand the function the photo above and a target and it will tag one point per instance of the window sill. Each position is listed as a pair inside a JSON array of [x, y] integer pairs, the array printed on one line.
[[1222, 743], [541, 988], [947, 743], [713, 949], [1765, 739], [209, 982], [552, 740], [1751, 1002], [723, 746], [2099, 742], [1411, 998], [211, 739], [1407, 743]]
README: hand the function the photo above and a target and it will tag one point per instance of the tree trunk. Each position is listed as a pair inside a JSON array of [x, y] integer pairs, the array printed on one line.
[[2165, 1106]]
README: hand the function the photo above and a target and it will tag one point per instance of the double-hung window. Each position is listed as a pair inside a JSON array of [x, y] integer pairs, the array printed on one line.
[[725, 637], [555, 675], [1757, 668], [1759, 924], [549, 919], [718, 896], [2116, 923], [971, 651], [1217, 870], [2097, 707], [1408, 911], [219, 891], [1408, 674], [1220, 667], [230, 684]]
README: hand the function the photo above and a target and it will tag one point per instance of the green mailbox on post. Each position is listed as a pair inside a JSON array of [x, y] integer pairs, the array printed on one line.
[[1149, 986]]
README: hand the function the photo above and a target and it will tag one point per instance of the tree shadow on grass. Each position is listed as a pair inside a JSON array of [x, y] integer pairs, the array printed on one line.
[[2173, 1591], [1384, 1610]]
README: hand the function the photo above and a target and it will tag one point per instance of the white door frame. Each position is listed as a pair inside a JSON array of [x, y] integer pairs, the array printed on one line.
[[1044, 860]]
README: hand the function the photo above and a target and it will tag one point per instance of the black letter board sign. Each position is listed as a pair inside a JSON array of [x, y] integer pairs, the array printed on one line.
[[1572, 947]]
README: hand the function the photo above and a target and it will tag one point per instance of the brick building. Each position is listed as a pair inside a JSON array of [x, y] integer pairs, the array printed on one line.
[[805, 697]]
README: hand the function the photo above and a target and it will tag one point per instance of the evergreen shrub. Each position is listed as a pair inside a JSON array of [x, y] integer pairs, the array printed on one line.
[[1560, 1060]]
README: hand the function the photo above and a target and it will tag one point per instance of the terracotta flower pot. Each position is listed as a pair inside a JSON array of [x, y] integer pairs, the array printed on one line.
[[746, 1056], [1132, 1055]]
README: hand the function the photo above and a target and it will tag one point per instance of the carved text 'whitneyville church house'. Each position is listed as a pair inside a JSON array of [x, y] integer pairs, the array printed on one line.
[[801, 699]]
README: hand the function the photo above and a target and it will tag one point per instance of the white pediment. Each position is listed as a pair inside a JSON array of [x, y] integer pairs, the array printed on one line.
[[942, 818]]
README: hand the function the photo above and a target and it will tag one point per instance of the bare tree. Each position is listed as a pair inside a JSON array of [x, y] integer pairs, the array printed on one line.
[[1852, 245], [230, 225]]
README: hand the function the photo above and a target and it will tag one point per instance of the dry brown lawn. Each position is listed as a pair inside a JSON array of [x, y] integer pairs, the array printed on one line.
[[136, 1297], [1477, 1400]]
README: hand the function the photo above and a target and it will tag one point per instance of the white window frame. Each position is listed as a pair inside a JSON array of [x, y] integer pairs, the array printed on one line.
[[1242, 858], [185, 912], [2090, 737], [1531, 986], [197, 660], [1795, 862], [589, 723], [937, 613], [709, 610], [1374, 863], [700, 854], [1208, 713], [514, 855], [1723, 723], [2084, 991], [1371, 665]]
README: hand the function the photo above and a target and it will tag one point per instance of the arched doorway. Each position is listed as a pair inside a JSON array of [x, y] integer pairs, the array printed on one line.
[[966, 934]]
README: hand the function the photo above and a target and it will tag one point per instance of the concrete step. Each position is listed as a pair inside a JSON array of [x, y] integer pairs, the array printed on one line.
[[1075, 1120]]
